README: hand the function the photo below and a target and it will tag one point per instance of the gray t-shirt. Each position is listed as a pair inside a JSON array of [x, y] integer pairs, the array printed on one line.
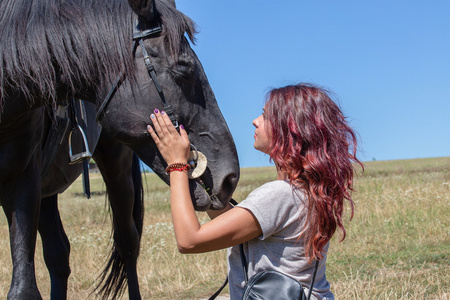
[[280, 212]]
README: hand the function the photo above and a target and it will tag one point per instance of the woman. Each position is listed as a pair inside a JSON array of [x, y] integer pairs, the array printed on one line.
[[286, 224]]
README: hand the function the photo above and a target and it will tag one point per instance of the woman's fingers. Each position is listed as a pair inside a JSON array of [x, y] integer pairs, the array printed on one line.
[[156, 125], [164, 123], [183, 133], [168, 123], [163, 131], [152, 131], [173, 146]]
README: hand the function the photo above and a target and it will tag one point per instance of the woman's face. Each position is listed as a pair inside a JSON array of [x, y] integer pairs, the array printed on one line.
[[262, 135]]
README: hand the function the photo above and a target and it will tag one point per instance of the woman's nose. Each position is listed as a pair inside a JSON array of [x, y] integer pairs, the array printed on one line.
[[255, 122]]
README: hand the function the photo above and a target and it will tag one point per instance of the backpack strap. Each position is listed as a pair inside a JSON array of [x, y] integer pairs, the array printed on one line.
[[224, 284]]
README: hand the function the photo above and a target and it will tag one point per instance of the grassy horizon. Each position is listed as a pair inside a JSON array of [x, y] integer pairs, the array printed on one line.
[[397, 245]]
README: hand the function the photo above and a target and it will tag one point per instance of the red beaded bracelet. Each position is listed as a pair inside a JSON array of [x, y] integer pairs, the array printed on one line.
[[178, 167]]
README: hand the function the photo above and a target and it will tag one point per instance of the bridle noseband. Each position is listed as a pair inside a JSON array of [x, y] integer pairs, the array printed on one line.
[[138, 40]]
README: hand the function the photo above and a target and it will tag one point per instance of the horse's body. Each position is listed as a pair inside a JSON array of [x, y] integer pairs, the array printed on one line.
[[53, 50], [126, 199]]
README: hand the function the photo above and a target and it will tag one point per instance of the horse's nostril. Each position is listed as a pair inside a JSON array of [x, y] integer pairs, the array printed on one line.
[[229, 185]]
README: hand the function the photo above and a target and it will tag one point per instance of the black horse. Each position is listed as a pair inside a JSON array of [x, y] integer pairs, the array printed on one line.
[[126, 62], [120, 169]]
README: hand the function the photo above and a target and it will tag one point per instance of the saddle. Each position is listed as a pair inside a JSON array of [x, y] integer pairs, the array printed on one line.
[[68, 119]]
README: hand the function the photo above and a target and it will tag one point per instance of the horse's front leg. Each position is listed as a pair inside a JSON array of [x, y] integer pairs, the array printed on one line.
[[115, 162], [20, 190], [55, 245]]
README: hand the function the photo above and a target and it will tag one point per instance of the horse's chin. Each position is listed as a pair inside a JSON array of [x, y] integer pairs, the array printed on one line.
[[201, 200]]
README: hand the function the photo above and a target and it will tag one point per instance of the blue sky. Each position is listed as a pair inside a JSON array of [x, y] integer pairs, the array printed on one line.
[[388, 63]]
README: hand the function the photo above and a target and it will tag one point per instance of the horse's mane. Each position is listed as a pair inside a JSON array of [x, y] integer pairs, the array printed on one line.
[[46, 44]]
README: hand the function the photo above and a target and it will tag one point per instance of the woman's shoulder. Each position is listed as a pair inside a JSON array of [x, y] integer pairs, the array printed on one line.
[[274, 192], [279, 188], [280, 185]]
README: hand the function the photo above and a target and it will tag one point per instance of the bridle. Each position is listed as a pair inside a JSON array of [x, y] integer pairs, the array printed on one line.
[[138, 40]]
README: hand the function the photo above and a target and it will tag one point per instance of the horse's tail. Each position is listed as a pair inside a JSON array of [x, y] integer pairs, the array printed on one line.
[[138, 209], [113, 279]]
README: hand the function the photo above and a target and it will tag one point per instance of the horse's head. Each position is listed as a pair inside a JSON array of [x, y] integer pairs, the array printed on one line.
[[185, 87]]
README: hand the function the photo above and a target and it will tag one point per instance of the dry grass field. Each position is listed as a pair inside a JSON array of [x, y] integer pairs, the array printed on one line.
[[397, 245]]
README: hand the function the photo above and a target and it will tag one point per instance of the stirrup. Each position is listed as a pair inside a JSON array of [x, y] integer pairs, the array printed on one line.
[[79, 157]]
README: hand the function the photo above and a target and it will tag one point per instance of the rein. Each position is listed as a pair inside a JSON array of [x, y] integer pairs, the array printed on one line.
[[138, 40]]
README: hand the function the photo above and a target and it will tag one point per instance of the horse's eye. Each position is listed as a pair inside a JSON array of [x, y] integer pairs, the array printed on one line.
[[183, 70]]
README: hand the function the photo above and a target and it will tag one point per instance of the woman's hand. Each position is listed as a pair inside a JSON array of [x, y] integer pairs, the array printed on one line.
[[229, 228], [173, 146]]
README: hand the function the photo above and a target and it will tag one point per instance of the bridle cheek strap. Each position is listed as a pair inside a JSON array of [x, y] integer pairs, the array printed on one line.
[[152, 73], [138, 39]]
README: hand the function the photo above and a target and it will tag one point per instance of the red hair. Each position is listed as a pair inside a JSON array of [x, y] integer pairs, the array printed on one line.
[[313, 143]]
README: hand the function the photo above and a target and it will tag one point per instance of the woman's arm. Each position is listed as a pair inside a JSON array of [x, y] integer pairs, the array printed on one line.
[[229, 228], [214, 213]]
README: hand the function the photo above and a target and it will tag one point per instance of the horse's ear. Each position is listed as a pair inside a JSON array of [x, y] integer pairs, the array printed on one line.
[[144, 8]]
